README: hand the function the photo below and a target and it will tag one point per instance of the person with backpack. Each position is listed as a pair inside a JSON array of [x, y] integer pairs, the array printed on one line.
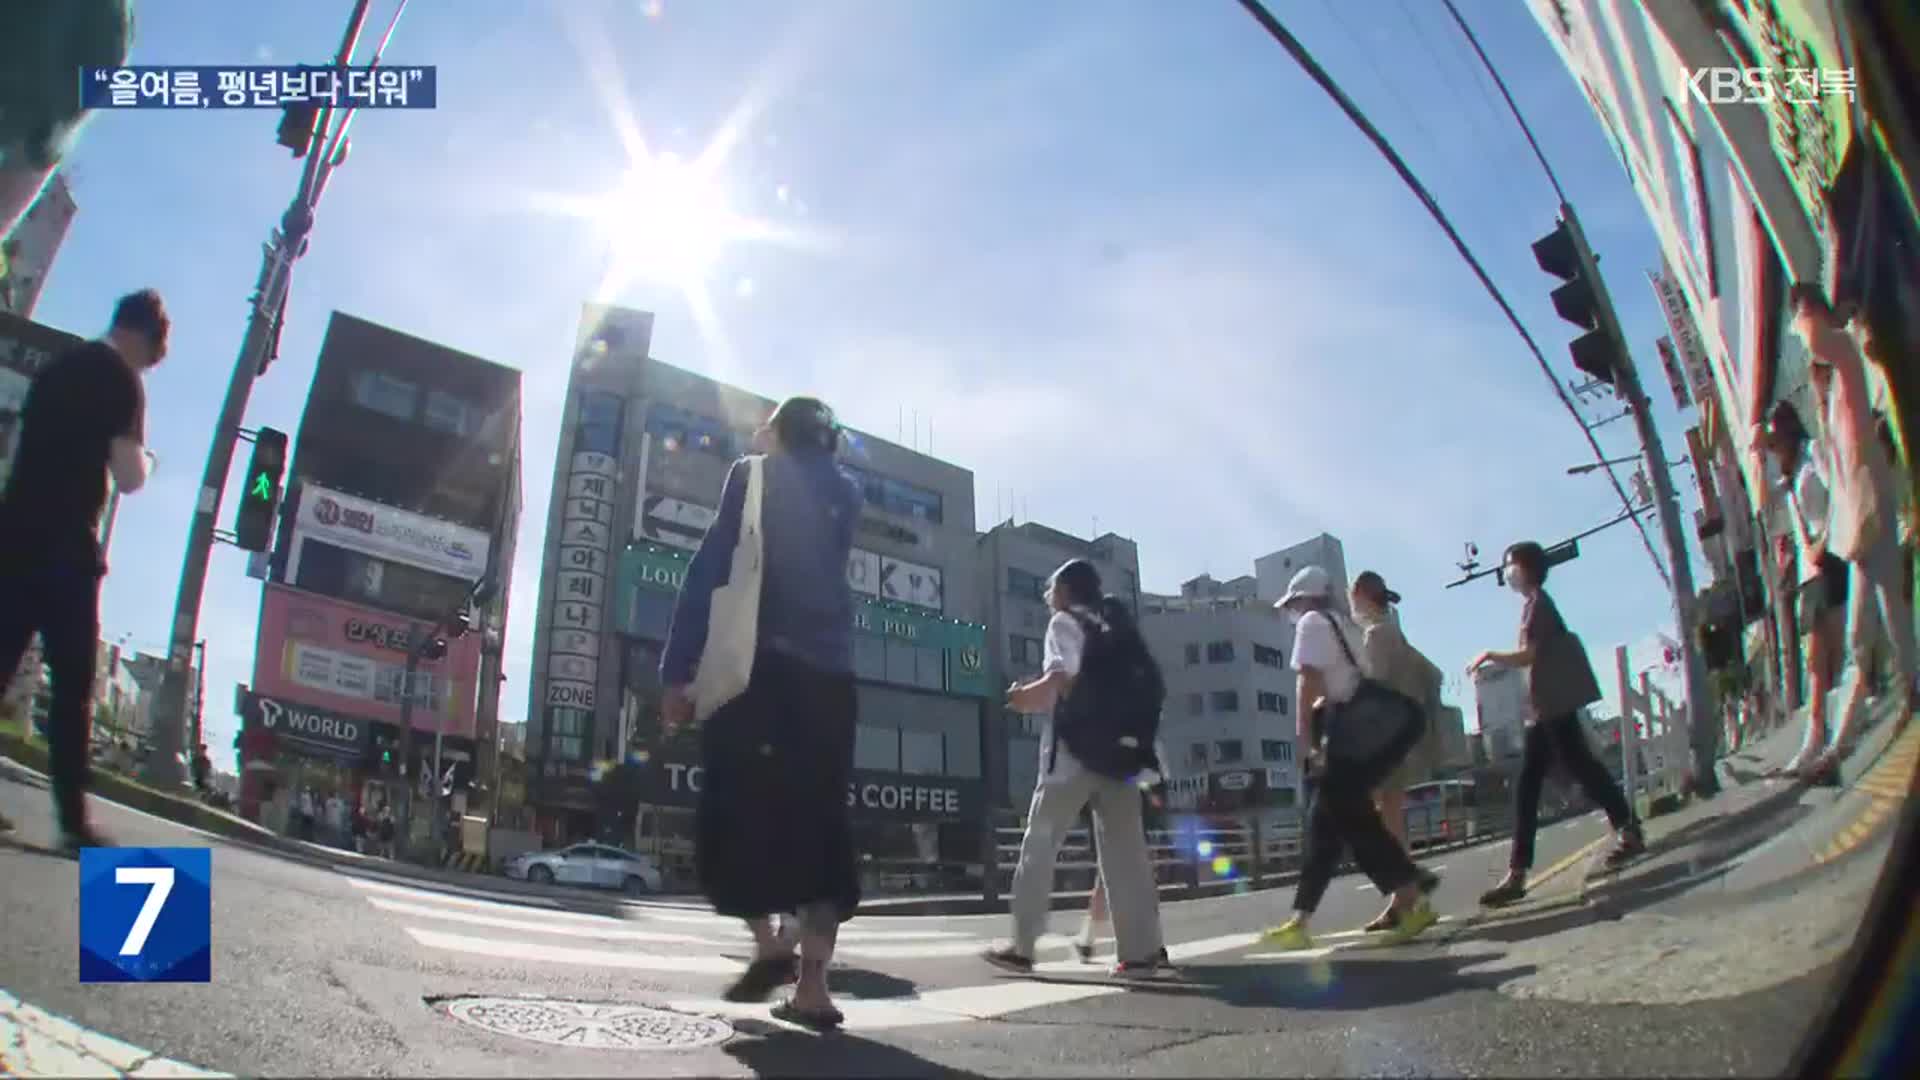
[[1329, 685], [1105, 693]]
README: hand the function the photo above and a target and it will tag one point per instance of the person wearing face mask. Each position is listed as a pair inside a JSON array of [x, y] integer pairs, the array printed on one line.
[[1340, 811], [1560, 682], [1386, 655]]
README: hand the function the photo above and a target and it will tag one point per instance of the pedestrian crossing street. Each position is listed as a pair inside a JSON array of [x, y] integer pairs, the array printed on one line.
[[672, 939]]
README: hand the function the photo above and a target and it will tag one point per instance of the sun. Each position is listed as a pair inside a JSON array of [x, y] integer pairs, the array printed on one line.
[[667, 222]]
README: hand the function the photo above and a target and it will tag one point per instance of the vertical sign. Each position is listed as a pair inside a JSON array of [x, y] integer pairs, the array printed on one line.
[[583, 562], [1685, 333], [1676, 379]]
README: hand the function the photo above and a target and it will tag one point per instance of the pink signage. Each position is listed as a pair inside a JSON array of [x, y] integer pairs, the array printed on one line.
[[352, 659]]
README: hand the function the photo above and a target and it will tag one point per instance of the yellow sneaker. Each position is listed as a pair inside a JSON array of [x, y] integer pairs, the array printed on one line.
[[1290, 936], [1412, 924]]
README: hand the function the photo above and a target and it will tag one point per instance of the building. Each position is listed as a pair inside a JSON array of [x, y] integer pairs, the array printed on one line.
[[31, 249], [1749, 191], [1502, 707], [1015, 562], [1324, 551], [1229, 724], [1456, 753], [644, 448], [403, 492]]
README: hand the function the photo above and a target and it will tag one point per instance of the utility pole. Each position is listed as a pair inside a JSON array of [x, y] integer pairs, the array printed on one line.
[[284, 245], [430, 643], [1603, 354]]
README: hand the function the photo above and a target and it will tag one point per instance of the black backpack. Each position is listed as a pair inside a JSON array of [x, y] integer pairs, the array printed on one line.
[[1110, 717]]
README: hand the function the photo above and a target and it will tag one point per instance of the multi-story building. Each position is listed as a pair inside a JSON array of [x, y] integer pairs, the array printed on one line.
[[1324, 551], [31, 249], [1502, 707], [1015, 562], [1752, 189], [1229, 723], [644, 448], [403, 492]]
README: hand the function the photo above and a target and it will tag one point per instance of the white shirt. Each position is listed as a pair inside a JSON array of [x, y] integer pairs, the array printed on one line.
[[1065, 644], [1314, 646], [1810, 504]]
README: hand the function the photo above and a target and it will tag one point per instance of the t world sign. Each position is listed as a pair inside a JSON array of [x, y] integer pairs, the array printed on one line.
[[889, 796], [310, 729]]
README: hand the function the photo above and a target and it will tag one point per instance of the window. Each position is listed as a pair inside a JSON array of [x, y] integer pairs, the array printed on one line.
[[869, 658], [567, 731], [1269, 656], [1228, 751], [384, 394], [600, 421], [922, 753], [1219, 652], [650, 613], [352, 576], [901, 663], [1269, 701], [449, 414], [1197, 755], [1024, 652], [876, 748], [1196, 704], [1226, 700], [1024, 585], [1276, 750], [1193, 653], [898, 496]]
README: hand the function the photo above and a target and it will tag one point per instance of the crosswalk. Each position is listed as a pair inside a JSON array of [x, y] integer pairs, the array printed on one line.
[[688, 946]]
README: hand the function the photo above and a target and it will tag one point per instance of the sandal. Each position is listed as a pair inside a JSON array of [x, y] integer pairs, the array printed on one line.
[[1387, 920], [822, 1020], [762, 977]]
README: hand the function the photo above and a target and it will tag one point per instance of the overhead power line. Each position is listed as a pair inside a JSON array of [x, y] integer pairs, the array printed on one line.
[[1318, 74]]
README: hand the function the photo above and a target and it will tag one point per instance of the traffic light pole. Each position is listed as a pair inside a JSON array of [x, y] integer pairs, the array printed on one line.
[[164, 768], [1703, 733]]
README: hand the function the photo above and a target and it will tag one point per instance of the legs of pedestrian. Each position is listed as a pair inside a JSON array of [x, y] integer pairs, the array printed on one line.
[[17, 625], [1097, 917], [1126, 869], [1537, 754], [1057, 801], [819, 931], [1343, 814], [1875, 605], [1571, 746], [70, 630]]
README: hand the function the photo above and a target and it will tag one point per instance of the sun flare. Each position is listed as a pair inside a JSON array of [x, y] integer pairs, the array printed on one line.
[[668, 223]]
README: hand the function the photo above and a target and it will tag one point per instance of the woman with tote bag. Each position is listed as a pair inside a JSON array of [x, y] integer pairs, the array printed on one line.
[[767, 614], [1560, 682]]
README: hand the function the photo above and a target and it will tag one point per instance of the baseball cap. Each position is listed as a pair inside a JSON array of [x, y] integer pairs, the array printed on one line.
[[1310, 583]]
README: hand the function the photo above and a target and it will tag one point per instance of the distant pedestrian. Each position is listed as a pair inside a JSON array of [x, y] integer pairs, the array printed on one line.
[[1341, 812], [763, 633], [1560, 682], [83, 421]]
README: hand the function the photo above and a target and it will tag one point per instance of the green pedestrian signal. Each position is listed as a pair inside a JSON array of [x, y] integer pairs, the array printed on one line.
[[253, 526]]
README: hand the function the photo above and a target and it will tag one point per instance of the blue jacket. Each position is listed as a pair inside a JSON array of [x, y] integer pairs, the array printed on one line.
[[807, 514]]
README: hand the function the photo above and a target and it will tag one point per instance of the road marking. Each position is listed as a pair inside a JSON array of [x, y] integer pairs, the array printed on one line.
[[34, 1042], [688, 963], [951, 1005], [473, 902], [1534, 881], [365, 880]]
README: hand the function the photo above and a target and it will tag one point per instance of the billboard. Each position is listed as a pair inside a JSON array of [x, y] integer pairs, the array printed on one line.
[[389, 533], [25, 348], [348, 659]]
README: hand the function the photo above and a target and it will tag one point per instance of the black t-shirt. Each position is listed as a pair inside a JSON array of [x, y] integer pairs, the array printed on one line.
[[74, 410]]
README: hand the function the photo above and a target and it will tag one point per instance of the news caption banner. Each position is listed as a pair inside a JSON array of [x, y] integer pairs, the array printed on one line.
[[146, 915], [256, 87]]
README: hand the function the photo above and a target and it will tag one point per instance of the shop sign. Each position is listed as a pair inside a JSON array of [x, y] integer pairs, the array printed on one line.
[[1809, 137], [388, 532], [870, 795], [309, 728]]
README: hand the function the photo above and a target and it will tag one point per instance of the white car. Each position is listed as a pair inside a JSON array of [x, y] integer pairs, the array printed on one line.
[[599, 866]]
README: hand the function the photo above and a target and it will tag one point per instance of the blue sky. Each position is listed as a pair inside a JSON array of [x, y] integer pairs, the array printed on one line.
[[1123, 259]]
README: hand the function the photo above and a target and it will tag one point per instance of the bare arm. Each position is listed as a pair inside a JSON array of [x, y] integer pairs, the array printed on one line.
[[1308, 688], [127, 461]]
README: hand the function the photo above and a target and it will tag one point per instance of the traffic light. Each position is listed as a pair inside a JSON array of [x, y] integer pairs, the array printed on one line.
[[297, 126], [435, 649], [1582, 299], [253, 526]]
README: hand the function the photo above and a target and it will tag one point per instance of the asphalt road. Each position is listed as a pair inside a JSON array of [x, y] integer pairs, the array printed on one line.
[[319, 971]]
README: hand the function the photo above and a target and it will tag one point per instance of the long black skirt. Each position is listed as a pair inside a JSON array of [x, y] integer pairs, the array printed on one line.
[[772, 831]]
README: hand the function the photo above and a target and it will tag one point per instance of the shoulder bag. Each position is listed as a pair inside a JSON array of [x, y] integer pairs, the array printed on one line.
[[1561, 681], [733, 622], [1372, 731]]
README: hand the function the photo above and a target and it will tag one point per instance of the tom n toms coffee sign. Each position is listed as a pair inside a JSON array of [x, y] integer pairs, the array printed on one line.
[[389, 533], [869, 794], [312, 729]]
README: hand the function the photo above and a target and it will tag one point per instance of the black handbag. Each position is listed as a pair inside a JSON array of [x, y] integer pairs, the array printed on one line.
[[1374, 730]]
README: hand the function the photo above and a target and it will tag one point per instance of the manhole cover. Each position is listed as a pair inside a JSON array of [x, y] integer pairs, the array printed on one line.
[[591, 1025]]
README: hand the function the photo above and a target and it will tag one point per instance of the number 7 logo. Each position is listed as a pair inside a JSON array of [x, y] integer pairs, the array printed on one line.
[[159, 880], [146, 915]]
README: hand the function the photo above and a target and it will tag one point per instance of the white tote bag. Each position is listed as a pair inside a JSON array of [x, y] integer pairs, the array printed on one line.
[[733, 625]]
